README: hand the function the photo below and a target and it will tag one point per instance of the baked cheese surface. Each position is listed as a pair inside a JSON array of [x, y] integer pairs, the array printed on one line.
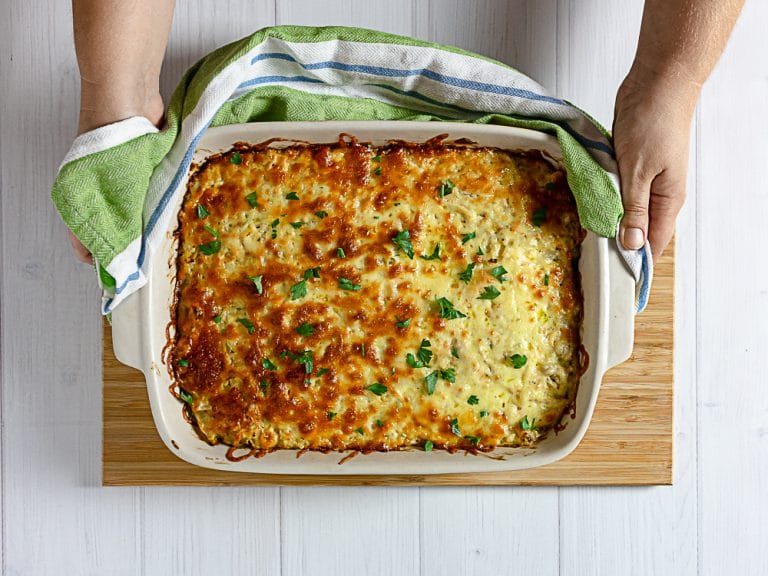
[[342, 296]]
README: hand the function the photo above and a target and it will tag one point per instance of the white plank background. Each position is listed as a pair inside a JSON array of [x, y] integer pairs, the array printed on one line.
[[57, 520]]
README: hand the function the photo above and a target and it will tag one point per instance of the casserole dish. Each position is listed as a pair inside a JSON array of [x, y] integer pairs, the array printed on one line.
[[140, 323]]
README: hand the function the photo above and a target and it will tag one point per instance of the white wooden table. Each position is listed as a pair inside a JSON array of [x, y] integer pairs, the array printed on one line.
[[56, 519]]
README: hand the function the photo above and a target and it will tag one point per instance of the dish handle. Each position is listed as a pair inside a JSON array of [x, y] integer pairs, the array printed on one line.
[[126, 332], [621, 309]]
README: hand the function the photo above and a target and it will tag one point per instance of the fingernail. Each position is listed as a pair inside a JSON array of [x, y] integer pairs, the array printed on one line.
[[633, 238]]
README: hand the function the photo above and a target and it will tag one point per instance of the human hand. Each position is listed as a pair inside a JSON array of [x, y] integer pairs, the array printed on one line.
[[651, 131], [99, 109]]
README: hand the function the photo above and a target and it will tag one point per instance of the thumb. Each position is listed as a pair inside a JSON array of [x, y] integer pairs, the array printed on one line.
[[636, 193]]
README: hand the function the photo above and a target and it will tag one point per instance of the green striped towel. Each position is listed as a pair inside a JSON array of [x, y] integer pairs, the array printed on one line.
[[116, 183]]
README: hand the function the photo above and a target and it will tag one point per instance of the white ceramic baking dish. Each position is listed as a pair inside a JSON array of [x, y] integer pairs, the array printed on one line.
[[139, 323]]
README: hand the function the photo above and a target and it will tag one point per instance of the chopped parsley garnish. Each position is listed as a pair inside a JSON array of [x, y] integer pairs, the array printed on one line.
[[263, 384], [526, 425], [362, 349], [305, 329], [185, 396], [546, 279], [322, 371], [518, 360], [340, 252], [430, 380], [211, 231], [403, 241], [455, 427], [346, 284], [248, 325], [377, 388], [312, 273], [217, 318], [467, 237], [489, 293], [428, 445], [184, 363], [359, 430], [539, 216], [480, 252], [210, 248], [424, 354], [274, 225], [307, 358], [498, 273], [257, 282], [446, 188], [376, 158], [331, 416], [466, 275], [252, 199], [202, 213], [475, 440], [236, 158], [402, 323], [379, 423], [321, 214], [483, 413], [377, 171], [435, 254], [454, 352], [297, 224], [291, 196], [448, 311], [448, 374], [473, 400], [299, 290]]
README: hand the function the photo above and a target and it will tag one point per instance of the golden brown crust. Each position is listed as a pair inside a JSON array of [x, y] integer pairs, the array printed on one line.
[[299, 302]]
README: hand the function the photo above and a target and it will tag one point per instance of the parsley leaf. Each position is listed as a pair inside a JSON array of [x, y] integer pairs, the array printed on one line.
[[446, 188], [312, 273], [236, 158], [321, 214], [430, 380], [340, 252], [331, 415], [377, 171], [467, 237], [210, 248], [483, 413], [455, 427], [346, 284], [184, 363], [498, 273], [263, 384], [202, 213], [454, 352], [185, 396], [305, 329], [297, 224], [428, 445], [435, 254], [291, 196], [211, 231], [412, 362], [480, 252], [322, 371], [268, 364], [217, 318], [475, 440], [473, 400], [377, 388], [299, 290], [403, 241], [274, 225], [253, 200], [424, 353], [257, 282], [379, 423], [448, 374], [489, 293], [526, 425], [376, 158], [448, 311], [546, 279], [402, 323], [359, 430], [307, 358], [466, 275], [248, 325], [539, 216], [518, 360]]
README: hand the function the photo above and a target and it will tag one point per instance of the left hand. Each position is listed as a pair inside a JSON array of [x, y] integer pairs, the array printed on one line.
[[651, 131]]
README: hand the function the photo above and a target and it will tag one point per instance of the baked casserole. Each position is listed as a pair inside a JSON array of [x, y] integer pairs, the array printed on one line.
[[350, 297]]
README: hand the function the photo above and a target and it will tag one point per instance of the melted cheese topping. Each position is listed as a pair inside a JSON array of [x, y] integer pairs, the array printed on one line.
[[300, 300]]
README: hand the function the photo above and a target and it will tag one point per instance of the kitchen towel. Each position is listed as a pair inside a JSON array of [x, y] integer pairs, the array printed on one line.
[[116, 183]]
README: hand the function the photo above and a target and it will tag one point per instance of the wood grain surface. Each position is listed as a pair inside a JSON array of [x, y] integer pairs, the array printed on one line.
[[628, 442]]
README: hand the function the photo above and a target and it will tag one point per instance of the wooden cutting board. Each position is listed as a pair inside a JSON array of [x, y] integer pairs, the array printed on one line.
[[628, 442]]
